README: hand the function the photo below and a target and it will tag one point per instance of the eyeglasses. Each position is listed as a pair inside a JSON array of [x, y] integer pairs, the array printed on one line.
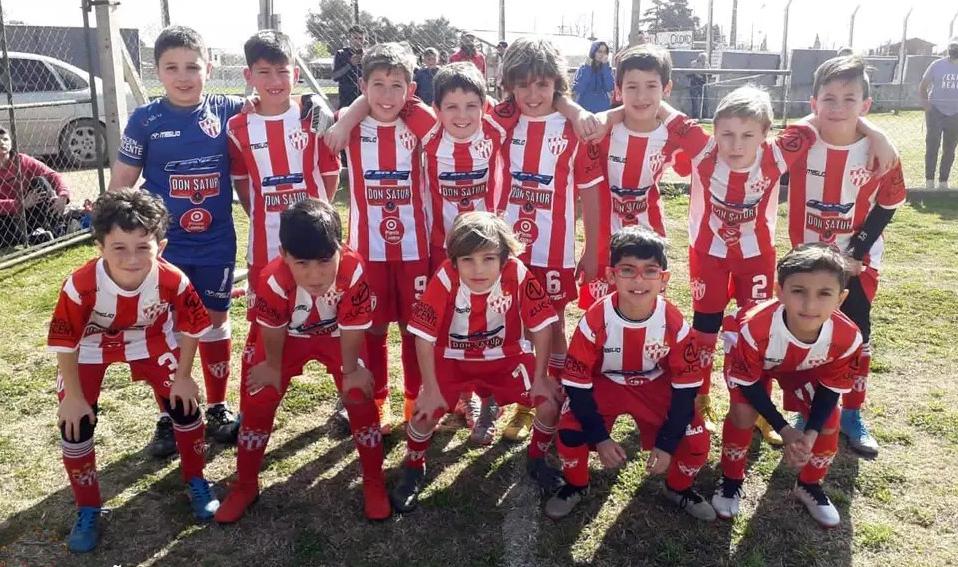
[[631, 272]]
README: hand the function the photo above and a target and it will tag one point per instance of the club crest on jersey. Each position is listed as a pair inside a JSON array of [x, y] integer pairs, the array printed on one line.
[[557, 145], [151, 312], [859, 176], [407, 140], [298, 140], [758, 184], [331, 297], [656, 161], [500, 303], [210, 125], [698, 289], [482, 148], [656, 351]]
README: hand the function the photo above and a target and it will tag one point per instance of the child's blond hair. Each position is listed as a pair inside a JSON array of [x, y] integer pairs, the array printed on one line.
[[481, 230], [391, 56], [529, 58], [748, 103]]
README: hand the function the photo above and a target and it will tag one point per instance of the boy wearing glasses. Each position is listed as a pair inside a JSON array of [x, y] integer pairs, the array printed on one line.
[[632, 353]]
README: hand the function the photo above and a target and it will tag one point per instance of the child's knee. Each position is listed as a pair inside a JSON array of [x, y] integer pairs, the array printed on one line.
[[86, 429], [178, 413], [743, 416], [571, 438], [547, 412]]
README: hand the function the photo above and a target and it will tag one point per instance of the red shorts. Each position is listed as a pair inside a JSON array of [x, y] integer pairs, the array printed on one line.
[[559, 284], [437, 255], [296, 353], [396, 287], [797, 394], [869, 280], [157, 372], [508, 379], [594, 291], [717, 280], [648, 405]]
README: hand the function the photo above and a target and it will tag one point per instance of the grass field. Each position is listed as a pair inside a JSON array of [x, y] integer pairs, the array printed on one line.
[[478, 509]]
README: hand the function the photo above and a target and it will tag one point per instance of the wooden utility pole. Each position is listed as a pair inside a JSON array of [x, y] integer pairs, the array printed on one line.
[[733, 31], [634, 30], [165, 12]]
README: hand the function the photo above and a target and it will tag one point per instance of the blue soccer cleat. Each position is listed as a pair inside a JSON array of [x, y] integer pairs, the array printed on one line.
[[202, 499], [859, 438], [86, 531]]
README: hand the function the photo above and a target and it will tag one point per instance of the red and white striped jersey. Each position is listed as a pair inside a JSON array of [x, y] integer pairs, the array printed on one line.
[[482, 326], [347, 304], [462, 175], [633, 162], [632, 353], [831, 193], [285, 161], [106, 323], [732, 213], [544, 165], [388, 214], [765, 347]]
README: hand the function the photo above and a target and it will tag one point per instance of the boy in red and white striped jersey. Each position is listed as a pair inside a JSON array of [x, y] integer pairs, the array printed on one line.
[[123, 307], [835, 197], [802, 341], [470, 328]]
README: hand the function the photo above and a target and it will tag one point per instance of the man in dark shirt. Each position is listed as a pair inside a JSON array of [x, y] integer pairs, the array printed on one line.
[[347, 66]]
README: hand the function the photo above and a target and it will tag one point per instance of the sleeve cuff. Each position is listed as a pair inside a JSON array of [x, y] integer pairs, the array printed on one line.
[[544, 324], [421, 334]]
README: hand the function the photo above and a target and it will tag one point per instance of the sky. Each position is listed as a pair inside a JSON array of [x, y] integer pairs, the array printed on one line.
[[226, 23]]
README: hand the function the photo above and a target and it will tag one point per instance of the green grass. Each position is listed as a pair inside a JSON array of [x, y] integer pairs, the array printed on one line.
[[896, 510]]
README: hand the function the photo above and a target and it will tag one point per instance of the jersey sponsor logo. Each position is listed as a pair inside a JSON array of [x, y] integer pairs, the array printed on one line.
[[859, 176], [279, 201], [61, 328], [629, 208], [482, 148], [462, 195], [531, 199], [163, 134], [526, 231], [388, 197], [425, 315], [617, 159], [528, 176], [830, 209], [211, 125], [392, 230], [557, 145], [386, 174], [196, 220], [733, 213], [627, 192], [130, 147], [730, 234], [500, 303], [298, 140], [633, 377], [289, 179], [196, 188], [259, 145], [194, 165], [480, 340], [316, 328], [464, 175], [828, 227], [815, 172]]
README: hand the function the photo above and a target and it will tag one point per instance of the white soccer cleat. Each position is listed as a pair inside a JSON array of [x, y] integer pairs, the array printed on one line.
[[727, 498], [817, 503]]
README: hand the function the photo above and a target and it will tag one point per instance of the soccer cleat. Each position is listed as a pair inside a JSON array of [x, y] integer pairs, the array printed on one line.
[[859, 438], [339, 414], [385, 416], [929, 184], [240, 498], [692, 502], [727, 497], [564, 501], [943, 184], [163, 443], [408, 409], [817, 503], [520, 424], [376, 499], [703, 403], [405, 497], [86, 531], [799, 422], [768, 432], [469, 406], [202, 499], [221, 424], [484, 431], [549, 479]]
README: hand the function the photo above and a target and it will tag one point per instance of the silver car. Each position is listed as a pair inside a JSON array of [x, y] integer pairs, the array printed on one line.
[[67, 131]]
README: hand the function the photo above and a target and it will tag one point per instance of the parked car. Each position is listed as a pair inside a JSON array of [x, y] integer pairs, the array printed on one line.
[[68, 131]]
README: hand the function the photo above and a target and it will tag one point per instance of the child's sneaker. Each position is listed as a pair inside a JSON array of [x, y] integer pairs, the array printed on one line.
[[221, 424], [405, 497], [564, 501], [817, 503], [385, 416], [240, 498], [484, 431], [943, 184], [692, 502], [202, 499], [727, 497], [520, 424], [163, 443], [86, 531], [859, 438], [929, 184], [469, 406], [768, 432], [376, 499], [548, 478]]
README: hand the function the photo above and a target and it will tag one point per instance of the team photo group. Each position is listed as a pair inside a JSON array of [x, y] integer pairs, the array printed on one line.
[[473, 224]]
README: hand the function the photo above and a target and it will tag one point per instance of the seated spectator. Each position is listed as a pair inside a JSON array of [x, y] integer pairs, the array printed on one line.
[[33, 198], [425, 74]]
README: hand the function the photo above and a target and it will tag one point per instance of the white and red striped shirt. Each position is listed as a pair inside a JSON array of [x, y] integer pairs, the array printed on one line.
[[633, 163], [732, 213], [285, 161], [544, 165], [482, 326], [106, 323], [831, 193], [347, 304], [462, 175], [763, 346], [388, 215], [632, 353]]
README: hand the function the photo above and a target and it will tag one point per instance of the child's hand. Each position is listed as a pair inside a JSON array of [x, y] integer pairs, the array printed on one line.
[[658, 462], [261, 376], [587, 127], [544, 389], [611, 454], [250, 104], [336, 138], [430, 405], [797, 448], [187, 392], [588, 267], [853, 267], [71, 412], [360, 381], [882, 154]]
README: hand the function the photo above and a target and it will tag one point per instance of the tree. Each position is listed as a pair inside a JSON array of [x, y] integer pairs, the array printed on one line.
[[718, 38], [669, 15]]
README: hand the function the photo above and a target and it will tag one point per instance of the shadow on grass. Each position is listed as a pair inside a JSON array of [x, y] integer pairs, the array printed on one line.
[[943, 204]]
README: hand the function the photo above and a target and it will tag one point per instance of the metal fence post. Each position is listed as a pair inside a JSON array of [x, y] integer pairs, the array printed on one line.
[[8, 86], [111, 71], [98, 140]]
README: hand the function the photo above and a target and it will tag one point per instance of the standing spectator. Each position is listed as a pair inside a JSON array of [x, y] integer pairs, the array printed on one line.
[[697, 83], [424, 75], [500, 51], [347, 66], [938, 91], [468, 52], [33, 198], [593, 83]]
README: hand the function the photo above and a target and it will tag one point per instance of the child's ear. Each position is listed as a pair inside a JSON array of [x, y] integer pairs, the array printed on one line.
[[866, 106], [842, 297], [362, 85], [411, 90], [295, 73], [667, 89], [161, 246], [617, 94], [609, 275], [813, 102], [209, 69], [778, 290], [248, 75]]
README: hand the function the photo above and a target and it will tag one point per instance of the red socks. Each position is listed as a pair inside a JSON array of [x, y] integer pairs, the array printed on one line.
[[735, 444], [575, 463], [854, 399], [191, 444], [364, 424], [378, 359], [823, 453], [416, 446], [215, 360], [79, 460], [542, 436]]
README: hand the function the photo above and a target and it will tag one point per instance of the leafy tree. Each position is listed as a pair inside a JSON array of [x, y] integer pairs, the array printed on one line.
[[669, 15]]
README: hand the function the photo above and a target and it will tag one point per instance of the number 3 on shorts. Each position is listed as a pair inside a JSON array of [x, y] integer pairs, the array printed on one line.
[[760, 287], [553, 282]]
